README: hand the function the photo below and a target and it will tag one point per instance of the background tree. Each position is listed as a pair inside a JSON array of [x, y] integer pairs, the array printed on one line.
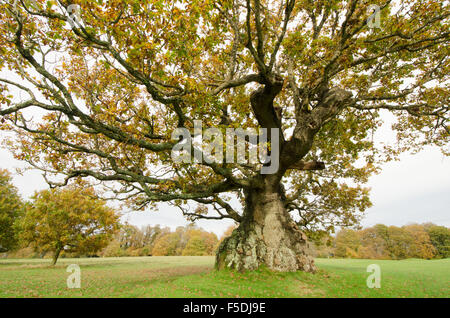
[[151, 233], [166, 245], [399, 242], [195, 246], [374, 242], [347, 243], [382, 242], [205, 241], [440, 238], [71, 220], [113, 249], [154, 240], [11, 206], [132, 241], [187, 240], [422, 246], [132, 72], [130, 236], [323, 247]]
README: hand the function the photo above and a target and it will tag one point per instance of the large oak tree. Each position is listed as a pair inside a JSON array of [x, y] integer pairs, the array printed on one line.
[[118, 77]]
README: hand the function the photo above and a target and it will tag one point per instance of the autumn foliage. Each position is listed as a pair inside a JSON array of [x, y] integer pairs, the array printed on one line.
[[11, 206], [425, 241], [72, 220], [187, 240], [97, 96]]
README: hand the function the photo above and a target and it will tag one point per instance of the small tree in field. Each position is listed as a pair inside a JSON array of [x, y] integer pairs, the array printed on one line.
[[10, 207], [70, 220], [116, 81]]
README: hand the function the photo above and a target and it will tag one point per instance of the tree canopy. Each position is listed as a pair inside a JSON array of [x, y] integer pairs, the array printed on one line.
[[115, 79]]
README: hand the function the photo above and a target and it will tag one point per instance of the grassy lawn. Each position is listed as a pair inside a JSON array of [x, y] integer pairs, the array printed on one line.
[[195, 277]]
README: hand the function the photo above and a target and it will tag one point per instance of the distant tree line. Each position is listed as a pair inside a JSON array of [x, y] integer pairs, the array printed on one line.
[[73, 222], [426, 241], [187, 240]]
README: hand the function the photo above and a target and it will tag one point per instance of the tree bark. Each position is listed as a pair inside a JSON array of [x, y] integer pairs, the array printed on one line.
[[267, 236], [56, 256]]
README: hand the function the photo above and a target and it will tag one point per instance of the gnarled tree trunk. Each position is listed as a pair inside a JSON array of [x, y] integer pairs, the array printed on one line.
[[266, 236]]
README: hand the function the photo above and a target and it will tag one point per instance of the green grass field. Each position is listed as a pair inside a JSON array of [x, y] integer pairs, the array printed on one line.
[[195, 277]]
